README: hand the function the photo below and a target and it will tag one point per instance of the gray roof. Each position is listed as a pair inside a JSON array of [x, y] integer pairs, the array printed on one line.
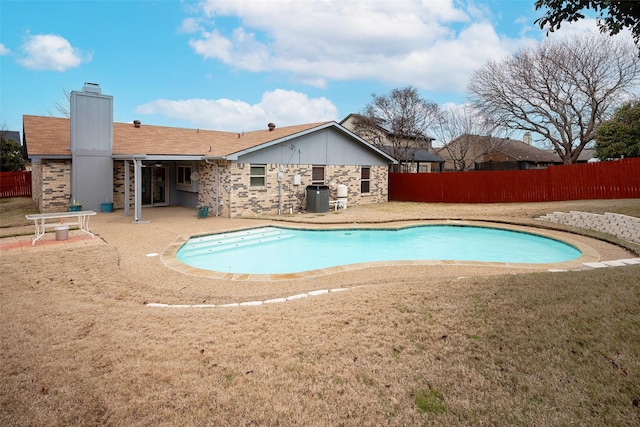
[[587, 154], [11, 134], [413, 154], [387, 128], [512, 147]]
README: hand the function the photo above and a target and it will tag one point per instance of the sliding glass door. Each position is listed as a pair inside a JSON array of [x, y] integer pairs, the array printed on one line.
[[155, 188]]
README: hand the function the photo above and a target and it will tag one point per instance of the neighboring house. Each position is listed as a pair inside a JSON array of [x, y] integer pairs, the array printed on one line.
[[587, 155], [414, 153], [13, 135], [475, 152], [416, 159], [265, 172]]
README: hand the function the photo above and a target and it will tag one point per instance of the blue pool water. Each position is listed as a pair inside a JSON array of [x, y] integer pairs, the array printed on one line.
[[274, 250]]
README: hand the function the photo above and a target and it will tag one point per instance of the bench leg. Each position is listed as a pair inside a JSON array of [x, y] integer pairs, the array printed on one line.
[[40, 230], [84, 225]]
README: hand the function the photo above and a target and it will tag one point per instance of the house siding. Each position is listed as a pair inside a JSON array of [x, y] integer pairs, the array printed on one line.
[[238, 199], [323, 147]]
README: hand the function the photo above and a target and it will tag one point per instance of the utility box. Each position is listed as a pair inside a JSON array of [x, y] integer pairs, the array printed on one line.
[[317, 198]]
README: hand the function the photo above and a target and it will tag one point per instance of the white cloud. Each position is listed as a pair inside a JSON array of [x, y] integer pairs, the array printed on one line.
[[51, 52], [433, 45], [4, 50], [576, 28], [586, 26], [190, 25], [214, 45], [282, 107]]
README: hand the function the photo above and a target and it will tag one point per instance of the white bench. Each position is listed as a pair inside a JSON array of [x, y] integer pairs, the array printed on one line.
[[80, 219]]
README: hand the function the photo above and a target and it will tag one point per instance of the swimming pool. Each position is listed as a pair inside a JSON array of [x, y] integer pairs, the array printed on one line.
[[275, 250]]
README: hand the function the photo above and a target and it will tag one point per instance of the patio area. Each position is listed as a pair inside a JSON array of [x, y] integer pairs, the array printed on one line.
[[48, 242]]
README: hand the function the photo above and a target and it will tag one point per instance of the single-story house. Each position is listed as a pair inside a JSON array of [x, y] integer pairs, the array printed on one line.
[[10, 135], [90, 158], [587, 155], [476, 152]]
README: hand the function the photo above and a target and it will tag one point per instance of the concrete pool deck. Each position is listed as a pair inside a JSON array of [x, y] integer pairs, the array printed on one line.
[[144, 253]]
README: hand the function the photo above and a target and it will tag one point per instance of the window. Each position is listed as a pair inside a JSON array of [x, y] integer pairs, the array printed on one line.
[[365, 179], [183, 181], [317, 175], [258, 176]]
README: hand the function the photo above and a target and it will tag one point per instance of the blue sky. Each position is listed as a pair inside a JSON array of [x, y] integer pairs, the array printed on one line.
[[237, 65]]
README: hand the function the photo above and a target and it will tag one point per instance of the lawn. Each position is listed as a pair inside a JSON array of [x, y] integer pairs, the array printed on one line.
[[400, 346]]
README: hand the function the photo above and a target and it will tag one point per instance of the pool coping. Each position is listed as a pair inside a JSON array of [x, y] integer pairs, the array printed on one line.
[[169, 258]]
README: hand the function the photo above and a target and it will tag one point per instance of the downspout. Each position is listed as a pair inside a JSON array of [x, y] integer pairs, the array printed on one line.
[[217, 189], [280, 189]]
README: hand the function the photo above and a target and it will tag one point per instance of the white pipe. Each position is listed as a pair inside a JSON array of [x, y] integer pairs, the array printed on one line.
[[280, 177], [217, 190]]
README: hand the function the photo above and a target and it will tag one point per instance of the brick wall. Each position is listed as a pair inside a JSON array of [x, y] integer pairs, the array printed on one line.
[[237, 198], [36, 184], [52, 185], [207, 187], [119, 184]]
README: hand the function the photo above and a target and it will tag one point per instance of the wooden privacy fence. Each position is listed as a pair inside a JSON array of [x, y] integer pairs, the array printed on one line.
[[15, 184], [601, 180]]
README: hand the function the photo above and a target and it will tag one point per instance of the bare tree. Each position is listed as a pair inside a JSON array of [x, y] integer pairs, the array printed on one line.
[[63, 107], [460, 129], [561, 90], [400, 120]]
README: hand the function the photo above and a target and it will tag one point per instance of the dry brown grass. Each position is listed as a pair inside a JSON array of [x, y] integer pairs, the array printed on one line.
[[13, 210], [79, 346]]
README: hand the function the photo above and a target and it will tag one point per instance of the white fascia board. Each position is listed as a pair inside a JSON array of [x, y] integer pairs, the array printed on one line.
[[155, 157], [179, 158], [128, 156]]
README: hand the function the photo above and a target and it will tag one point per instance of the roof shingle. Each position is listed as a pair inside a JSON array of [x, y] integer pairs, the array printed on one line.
[[51, 136]]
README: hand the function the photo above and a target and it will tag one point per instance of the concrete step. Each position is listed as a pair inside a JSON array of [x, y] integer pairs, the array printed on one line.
[[219, 242]]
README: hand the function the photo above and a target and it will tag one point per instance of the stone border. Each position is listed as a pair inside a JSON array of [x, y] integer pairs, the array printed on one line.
[[250, 303], [613, 263], [622, 226]]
